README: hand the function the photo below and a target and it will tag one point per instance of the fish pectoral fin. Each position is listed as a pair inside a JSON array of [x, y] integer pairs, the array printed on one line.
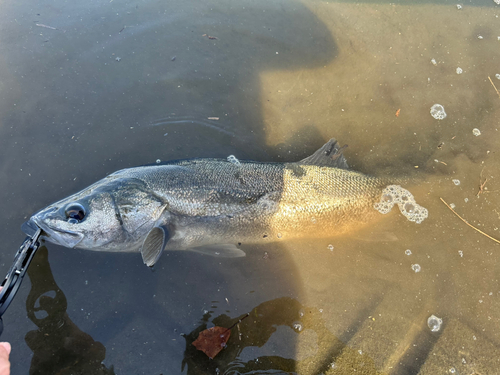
[[329, 155], [219, 250], [153, 245]]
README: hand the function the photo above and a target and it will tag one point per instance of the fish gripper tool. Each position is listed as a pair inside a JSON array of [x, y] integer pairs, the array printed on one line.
[[16, 273]]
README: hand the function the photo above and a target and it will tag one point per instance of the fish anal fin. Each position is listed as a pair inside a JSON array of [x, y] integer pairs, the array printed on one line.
[[329, 155], [153, 245], [219, 250]]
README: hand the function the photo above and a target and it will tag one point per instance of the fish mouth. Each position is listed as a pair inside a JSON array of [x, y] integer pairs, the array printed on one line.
[[58, 236]]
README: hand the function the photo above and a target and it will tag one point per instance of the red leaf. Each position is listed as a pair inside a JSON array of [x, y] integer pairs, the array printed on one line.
[[212, 340]]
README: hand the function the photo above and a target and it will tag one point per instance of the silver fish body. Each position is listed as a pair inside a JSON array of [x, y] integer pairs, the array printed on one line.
[[213, 203]]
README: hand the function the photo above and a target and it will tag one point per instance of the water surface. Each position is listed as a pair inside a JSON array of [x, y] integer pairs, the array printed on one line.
[[115, 84]]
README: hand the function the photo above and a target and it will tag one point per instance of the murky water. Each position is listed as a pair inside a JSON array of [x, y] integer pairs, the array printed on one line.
[[92, 87]]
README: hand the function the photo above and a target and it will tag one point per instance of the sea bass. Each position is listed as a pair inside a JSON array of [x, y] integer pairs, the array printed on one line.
[[215, 205]]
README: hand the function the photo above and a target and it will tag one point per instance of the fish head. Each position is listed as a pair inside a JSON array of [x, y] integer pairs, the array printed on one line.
[[111, 215]]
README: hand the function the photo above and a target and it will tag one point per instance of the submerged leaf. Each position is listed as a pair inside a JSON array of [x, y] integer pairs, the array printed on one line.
[[212, 340]]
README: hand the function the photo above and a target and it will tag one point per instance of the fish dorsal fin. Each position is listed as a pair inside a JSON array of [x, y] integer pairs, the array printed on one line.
[[330, 155], [153, 245], [224, 250]]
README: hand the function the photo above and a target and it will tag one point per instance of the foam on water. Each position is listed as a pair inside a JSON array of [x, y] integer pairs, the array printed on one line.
[[395, 194], [416, 267], [437, 111], [233, 159], [434, 323]]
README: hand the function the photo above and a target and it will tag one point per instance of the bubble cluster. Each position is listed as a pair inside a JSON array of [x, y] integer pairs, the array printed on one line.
[[395, 194], [434, 323], [437, 111], [233, 159]]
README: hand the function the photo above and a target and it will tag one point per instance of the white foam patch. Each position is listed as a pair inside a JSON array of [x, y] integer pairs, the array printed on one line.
[[395, 194], [233, 159], [437, 111]]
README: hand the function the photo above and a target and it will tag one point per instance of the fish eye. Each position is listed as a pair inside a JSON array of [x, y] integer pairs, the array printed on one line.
[[75, 213]]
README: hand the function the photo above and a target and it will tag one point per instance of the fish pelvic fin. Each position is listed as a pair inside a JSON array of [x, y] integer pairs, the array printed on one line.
[[153, 245], [329, 155]]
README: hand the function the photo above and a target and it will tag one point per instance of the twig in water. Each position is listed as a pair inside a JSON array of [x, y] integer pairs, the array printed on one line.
[[210, 37], [465, 221], [498, 93], [239, 321], [53, 28], [481, 184]]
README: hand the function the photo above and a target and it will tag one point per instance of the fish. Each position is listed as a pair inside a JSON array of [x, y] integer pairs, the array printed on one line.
[[213, 206]]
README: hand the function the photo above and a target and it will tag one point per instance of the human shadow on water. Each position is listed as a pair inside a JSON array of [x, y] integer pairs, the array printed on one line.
[[59, 346], [107, 98]]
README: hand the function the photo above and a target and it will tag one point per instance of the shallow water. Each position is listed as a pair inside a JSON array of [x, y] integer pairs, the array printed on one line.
[[103, 91]]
